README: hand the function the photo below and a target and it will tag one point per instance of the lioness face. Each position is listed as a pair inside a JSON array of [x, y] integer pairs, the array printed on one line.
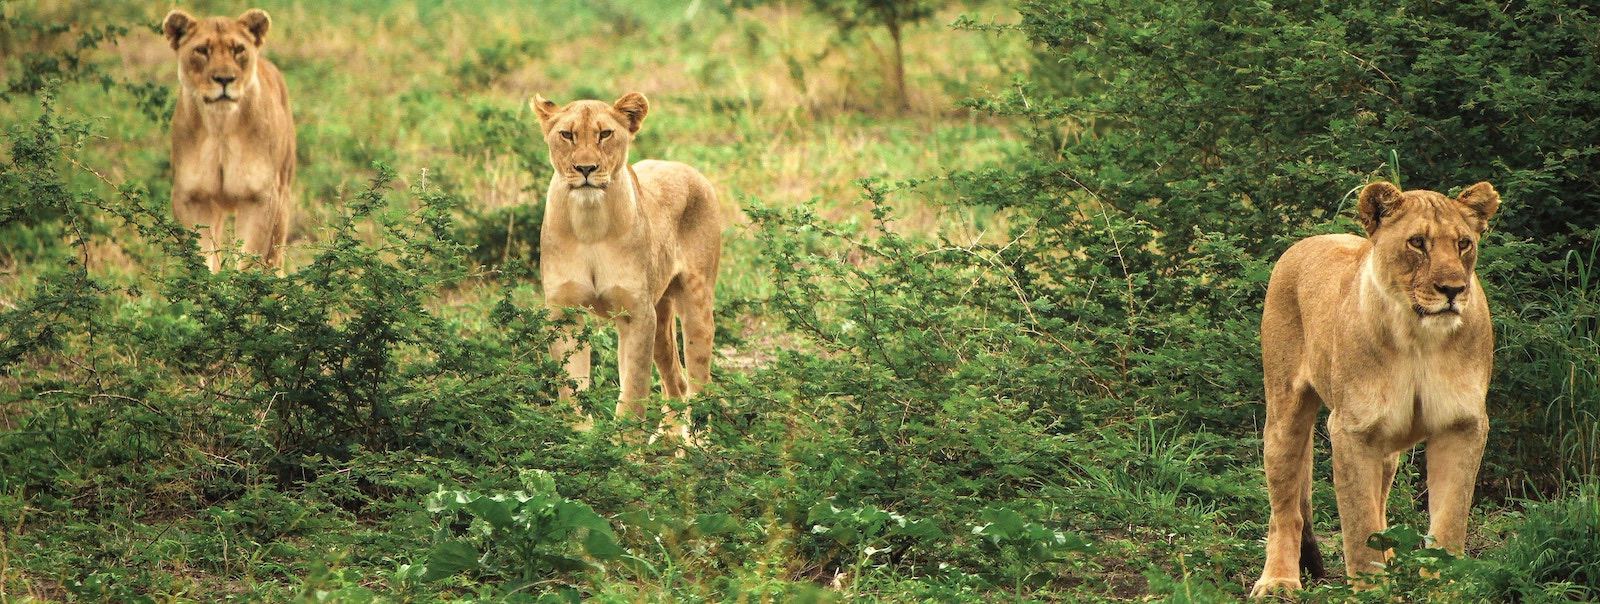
[[588, 140], [1425, 245], [217, 56]]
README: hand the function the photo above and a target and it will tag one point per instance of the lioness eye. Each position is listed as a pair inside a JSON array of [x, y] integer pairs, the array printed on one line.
[[566, 134], [1417, 242], [605, 134], [202, 51], [238, 50], [1464, 244]]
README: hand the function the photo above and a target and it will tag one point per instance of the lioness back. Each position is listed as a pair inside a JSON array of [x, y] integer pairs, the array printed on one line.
[[686, 199], [1313, 265], [676, 184]]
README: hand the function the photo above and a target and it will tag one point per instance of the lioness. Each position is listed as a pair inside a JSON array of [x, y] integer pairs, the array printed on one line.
[[637, 245], [232, 135], [1392, 333]]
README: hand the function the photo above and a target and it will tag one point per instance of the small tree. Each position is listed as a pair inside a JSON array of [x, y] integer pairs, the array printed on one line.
[[893, 15]]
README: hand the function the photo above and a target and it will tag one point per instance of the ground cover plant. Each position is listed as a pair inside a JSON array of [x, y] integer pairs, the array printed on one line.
[[988, 333]]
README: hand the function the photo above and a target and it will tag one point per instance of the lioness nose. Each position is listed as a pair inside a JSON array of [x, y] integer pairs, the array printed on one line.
[[586, 169], [1450, 291], [223, 80]]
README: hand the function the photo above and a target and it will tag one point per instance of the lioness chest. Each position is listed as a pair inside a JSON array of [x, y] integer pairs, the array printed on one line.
[[220, 165], [1409, 396], [604, 277]]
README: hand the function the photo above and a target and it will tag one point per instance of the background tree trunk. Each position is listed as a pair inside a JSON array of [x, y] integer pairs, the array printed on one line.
[[898, 69]]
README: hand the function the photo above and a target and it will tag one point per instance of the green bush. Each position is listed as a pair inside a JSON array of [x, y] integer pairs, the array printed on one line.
[[1256, 119], [499, 237]]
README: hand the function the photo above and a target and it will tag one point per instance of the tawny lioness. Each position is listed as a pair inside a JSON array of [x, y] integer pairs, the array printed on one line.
[[1392, 333], [232, 135], [637, 245]]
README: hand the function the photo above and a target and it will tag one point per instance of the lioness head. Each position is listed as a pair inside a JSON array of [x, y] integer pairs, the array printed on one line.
[[1424, 245], [589, 139], [217, 56]]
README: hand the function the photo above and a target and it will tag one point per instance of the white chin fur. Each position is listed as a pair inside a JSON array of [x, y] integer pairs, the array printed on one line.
[[587, 196], [1444, 322]]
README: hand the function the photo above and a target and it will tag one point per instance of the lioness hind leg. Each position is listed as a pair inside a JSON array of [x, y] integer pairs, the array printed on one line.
[[1310, 554], [666, 352], [1391, 466], [674, 425], [1291, 416], [699, 331]]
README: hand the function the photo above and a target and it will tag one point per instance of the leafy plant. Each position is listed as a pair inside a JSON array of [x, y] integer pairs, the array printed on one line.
[[491, 61], [530, 540], [1025, 551], [1550, 552], [499, 237], [859, 534]]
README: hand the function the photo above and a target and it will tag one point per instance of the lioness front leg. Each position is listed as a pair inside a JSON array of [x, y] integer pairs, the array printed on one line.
[[570, 346], [264, 227], [1453, 459], [636, 339], [1358, 475], [565, 301], [206, 219]]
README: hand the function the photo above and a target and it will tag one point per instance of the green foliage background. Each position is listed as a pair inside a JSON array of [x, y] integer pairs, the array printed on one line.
[[1014, 356]]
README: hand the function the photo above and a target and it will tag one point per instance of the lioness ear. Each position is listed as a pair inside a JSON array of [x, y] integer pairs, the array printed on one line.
[[176, 25], [634, 106], [1377, 201], [545, 108], [1483, 200], [257, 22]]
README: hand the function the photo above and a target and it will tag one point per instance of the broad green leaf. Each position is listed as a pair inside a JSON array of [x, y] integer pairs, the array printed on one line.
[[497, 513], [602, 545], [448, 558]]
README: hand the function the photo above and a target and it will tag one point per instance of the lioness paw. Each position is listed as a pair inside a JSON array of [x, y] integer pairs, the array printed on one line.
[[1281, 587]]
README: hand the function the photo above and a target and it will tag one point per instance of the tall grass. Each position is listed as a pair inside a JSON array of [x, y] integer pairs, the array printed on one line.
[[1574, 414], [1552, 340]]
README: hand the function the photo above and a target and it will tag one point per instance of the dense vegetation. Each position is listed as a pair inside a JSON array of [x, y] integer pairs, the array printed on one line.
[[995, 339]]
